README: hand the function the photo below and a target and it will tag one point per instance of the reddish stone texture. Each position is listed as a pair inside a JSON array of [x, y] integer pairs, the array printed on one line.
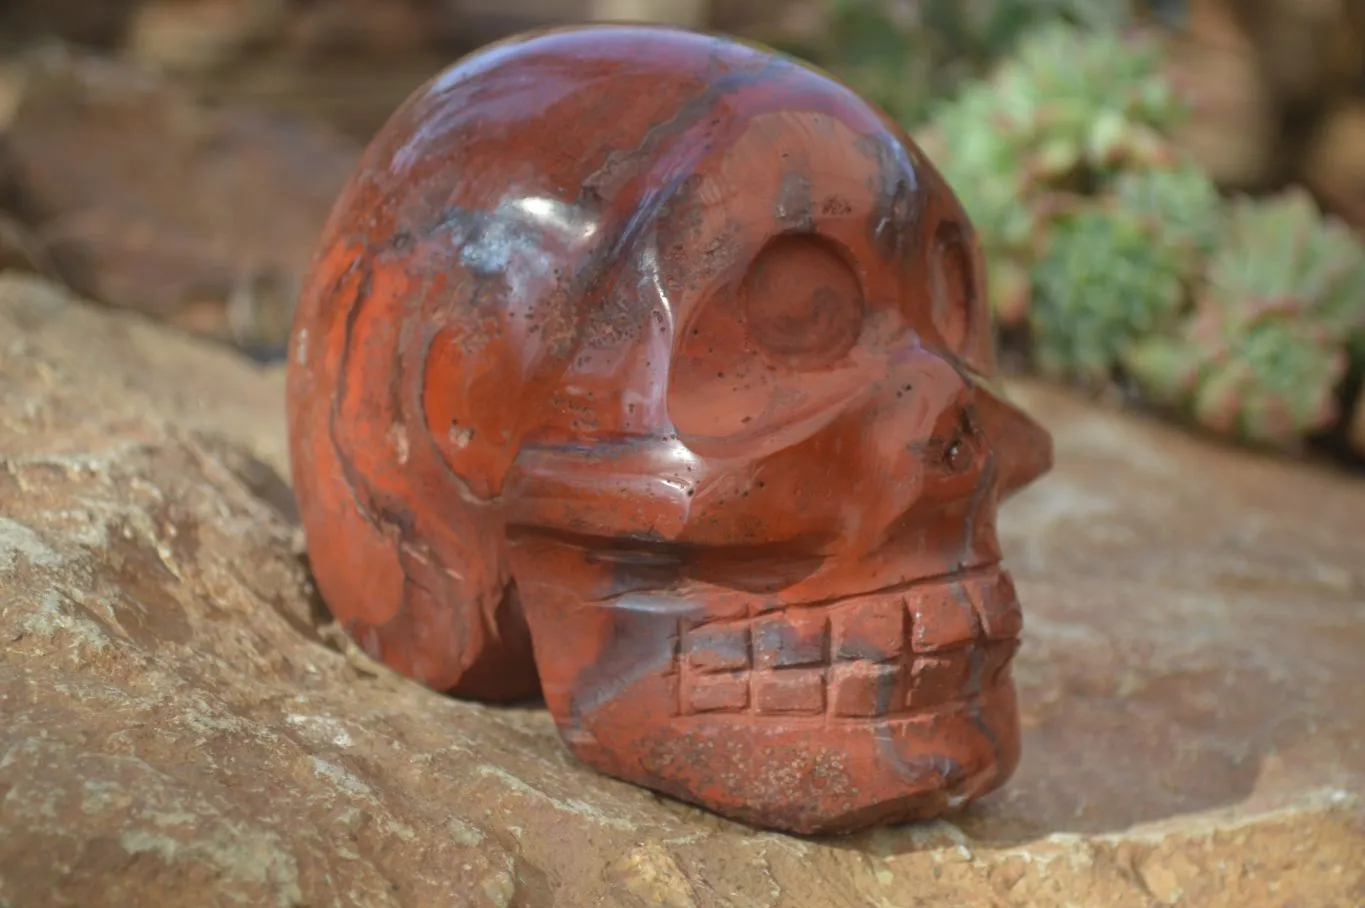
[[654, 372]]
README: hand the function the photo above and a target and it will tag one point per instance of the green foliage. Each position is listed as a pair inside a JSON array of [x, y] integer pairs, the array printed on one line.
[[1104, 283], [904, 54], [1262, 355], [1117, 269], [1282, 251], [1181, 207], [1082, 104], [1106, 248], [1072, 116], [1069, 108]]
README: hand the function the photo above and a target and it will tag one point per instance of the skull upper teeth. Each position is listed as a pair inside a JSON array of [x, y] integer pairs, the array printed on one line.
[[885, 655]]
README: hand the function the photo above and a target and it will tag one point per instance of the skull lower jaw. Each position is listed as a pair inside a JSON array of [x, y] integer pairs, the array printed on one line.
[[816, 777], [818, 719]]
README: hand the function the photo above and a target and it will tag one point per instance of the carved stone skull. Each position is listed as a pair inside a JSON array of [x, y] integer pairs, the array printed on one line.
[[654, 372]]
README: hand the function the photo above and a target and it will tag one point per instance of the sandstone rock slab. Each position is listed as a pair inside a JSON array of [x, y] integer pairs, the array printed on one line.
[[181, 729]]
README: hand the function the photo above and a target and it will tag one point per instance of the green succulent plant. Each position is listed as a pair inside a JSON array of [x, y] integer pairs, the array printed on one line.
[[1181, 206], [1087, 101], [1119, 268], [1263, 354], [1121, 258], [1105, 283], [904, 55], [1070, 116]]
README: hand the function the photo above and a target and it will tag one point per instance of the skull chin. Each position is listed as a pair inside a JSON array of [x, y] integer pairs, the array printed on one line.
[[672, 667]]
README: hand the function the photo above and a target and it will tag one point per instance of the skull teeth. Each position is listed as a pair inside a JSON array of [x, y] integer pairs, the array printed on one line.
[[877, 656]]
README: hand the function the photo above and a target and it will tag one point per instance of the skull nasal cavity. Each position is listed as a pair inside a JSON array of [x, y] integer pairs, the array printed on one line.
[[801, 301]]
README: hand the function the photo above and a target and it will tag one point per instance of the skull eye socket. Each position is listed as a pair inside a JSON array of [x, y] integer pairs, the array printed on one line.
[[801, 302], [777, 345], [954, 286]]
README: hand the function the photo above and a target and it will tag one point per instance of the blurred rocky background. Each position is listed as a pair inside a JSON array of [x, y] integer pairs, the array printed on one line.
[[1171, 192]]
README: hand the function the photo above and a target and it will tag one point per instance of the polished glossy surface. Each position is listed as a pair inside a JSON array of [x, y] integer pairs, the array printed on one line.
[[663, 365]]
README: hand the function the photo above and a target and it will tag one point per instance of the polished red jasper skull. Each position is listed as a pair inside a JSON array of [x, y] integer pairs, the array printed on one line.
[[654, 372]]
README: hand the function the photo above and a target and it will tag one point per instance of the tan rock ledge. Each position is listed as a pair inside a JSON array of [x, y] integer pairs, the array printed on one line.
[[176, 731]]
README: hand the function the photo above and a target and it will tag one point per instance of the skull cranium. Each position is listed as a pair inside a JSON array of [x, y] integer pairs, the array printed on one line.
[[655, 372]]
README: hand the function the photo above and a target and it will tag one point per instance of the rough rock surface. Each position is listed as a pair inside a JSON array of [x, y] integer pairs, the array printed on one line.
[[180, 729], [202, 215]]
